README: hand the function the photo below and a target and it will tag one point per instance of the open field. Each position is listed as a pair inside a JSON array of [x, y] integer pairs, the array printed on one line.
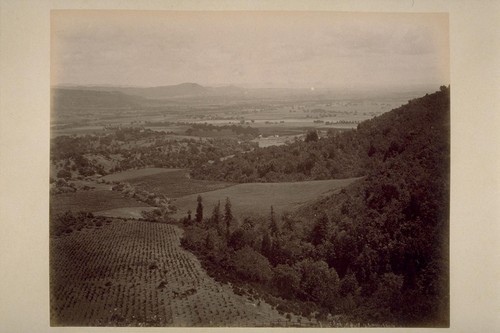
[[124, 212], [276, 140], [138, 173], [102, 201], [91, 201], [83, 130], [257, 198], [247, 199], [175, 183], [129, 273]]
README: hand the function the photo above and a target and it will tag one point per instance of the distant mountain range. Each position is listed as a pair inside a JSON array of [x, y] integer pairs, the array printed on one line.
[[76, 98], [125, 96], [182, 90], [165, 92], [186, 90]]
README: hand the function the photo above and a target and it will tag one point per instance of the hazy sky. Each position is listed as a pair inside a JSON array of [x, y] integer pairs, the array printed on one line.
[[251, 49]]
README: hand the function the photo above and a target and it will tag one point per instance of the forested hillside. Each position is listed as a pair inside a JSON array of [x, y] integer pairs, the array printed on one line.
[[342, 154], [377, 252], [338, 156], [391, 230], [120, 149]]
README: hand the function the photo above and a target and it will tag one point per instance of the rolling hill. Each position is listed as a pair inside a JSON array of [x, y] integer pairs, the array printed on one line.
[[96, 95], [64, 99], [182, 90]]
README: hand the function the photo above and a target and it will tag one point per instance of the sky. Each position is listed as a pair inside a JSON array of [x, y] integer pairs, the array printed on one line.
[[249, 49]]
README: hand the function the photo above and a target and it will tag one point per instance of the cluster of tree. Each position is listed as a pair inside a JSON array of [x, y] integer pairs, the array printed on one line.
[[161, 214], [334, 157], [246, 133], [378, 250], [159, 123], [67, 222], [343, 122], [164, 205], [62, 186], [128, 148], [185, 153], [133, 133], [276, 254]]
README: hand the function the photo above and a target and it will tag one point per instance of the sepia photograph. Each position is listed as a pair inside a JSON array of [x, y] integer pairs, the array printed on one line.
[[253, 169], [211, 165]]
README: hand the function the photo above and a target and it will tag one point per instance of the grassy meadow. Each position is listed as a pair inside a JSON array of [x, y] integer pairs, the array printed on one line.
[[257, 198], [176, 183], [125, 212], [91, 201], [136, 173]]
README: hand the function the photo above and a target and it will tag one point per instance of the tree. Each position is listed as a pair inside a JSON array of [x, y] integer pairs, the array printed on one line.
[[288, 223], [312, 135], [273, 225], [286, 279], [237, 239], [228, 216], [318, 281], [211, 240], [64, 174], [320, 230], [248, 224], [251, 265], [266, 246], [188, 220], [216, 217], [199, 209], [349, 285]]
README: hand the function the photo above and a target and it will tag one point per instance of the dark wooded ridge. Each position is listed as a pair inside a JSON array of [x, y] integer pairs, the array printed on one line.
[[377, 252]]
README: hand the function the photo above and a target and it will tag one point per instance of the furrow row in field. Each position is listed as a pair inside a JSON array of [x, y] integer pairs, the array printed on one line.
[[136, 274]]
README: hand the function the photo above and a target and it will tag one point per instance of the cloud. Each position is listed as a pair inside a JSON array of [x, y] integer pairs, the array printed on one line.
[[286, 48]]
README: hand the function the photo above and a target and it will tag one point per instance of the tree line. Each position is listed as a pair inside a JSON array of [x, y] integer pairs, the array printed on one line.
[[244, 132], [342, 154], [129, 148]]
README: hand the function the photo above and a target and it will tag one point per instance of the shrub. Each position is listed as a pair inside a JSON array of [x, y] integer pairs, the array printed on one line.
[[349, 285], [194, 238], [242, 237], [286, 279], [250, 264], [318, 281], [311, 136], [64, 174]]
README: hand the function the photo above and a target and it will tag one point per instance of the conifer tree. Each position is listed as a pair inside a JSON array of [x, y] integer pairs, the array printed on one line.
[[320, 229], [273, 225], [216, 217], [199, 209], [228, 216], [266, 246]]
